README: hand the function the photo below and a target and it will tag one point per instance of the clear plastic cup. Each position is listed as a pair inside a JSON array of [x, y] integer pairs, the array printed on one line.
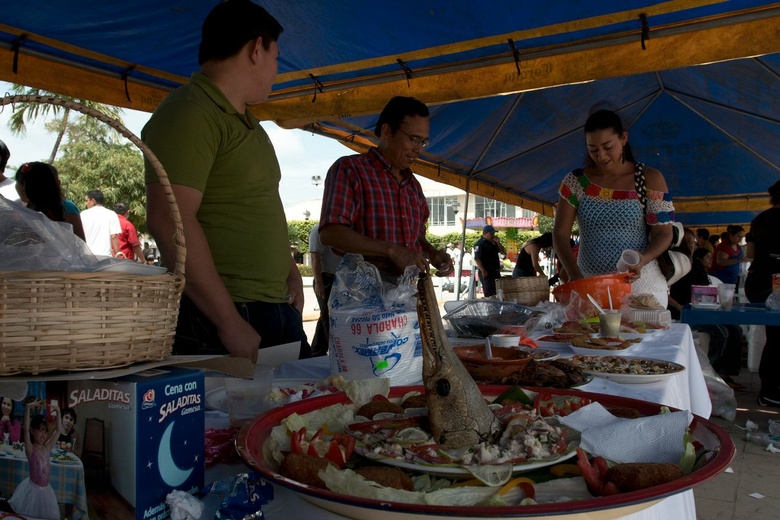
[[629, 257], [726, 295], [246, 398], [609, 324]]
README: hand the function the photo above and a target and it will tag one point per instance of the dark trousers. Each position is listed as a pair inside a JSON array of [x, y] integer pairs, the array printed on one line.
[[489, 282], [277, 324], [725, 353], [758, 289], [321, 341]]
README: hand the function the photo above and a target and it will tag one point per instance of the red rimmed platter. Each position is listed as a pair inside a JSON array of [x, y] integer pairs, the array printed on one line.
[[252, 439]]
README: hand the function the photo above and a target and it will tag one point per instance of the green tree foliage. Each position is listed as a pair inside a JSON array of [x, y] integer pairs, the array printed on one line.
[[299, 230], [94, 158], [28, 111], [546, 225]]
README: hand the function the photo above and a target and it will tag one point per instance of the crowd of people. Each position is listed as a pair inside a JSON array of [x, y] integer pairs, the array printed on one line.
[[37, 186]]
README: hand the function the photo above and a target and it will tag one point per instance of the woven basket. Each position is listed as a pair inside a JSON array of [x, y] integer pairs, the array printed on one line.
[[61, 320], [525, 290]]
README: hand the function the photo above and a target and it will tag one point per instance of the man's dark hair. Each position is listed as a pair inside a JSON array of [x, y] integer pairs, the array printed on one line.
[[231, 25], [703, 233], [69, 411], [774, 193], [97, 195], [5, 154], [397, 109], [120, 208]]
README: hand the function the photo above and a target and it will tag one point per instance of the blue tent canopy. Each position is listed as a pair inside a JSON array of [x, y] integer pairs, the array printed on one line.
[[509, 83]]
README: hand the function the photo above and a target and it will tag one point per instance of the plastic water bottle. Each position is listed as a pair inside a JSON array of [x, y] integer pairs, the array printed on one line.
[[762, 438]]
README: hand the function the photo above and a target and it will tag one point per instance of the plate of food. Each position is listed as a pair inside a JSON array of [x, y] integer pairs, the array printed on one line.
[[541, 354], [556, 341], [347, 491], [543, 442], [627, 370], [584, 326], [65, 457], [283, 391], [598, 346]]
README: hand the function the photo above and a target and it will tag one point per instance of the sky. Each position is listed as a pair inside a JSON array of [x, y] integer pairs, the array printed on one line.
[[301, 154]]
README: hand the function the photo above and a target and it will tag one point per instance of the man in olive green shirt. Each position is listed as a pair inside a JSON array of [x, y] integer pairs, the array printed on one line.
[[243, 289]]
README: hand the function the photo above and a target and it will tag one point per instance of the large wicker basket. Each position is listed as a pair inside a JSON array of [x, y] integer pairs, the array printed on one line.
[[60, 320], [525, 290]]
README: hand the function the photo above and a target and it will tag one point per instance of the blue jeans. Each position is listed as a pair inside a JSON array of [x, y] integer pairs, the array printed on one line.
[[277, 324]]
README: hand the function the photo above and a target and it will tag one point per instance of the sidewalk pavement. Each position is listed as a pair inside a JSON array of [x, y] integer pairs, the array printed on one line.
[[727, 496]]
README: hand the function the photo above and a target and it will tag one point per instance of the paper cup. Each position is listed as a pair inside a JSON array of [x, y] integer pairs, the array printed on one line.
[[629, 257]]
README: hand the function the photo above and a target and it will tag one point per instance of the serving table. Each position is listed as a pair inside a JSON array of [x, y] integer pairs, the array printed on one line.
[[739, 314], [66, 479], [686, 390]]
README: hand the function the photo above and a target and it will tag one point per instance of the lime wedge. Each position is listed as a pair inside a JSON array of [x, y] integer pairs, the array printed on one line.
[[514, 394], [491, 474]]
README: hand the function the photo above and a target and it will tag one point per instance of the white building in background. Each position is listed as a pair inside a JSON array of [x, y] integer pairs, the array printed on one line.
[[446, 203]]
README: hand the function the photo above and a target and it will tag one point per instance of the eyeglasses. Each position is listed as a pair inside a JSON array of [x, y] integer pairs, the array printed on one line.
[[416, 139]]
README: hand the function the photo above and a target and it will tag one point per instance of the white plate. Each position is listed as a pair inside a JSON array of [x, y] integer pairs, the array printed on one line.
[[216, 398], [631, 379], [459, 471], [602, 352], [130, 267], [638, 378], [552, 345], [540, 354], [707, 306], [70, 458], [633, 335]]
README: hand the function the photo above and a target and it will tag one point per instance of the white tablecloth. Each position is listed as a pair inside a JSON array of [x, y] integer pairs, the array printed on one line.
[[686, 391]]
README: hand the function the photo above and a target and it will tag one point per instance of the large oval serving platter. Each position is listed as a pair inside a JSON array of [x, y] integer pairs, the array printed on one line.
[[252, 438]]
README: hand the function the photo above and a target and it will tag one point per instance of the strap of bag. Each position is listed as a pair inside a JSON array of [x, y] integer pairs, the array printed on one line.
[[640, 185]]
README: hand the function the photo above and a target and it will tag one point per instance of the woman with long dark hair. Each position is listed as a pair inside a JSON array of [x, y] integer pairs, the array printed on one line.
[[616, 200], [38, 186]]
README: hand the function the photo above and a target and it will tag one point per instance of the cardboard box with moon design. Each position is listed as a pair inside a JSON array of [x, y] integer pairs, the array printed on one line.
[[134, 439]]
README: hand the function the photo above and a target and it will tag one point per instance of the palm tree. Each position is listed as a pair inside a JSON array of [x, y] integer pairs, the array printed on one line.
[[28, 111]]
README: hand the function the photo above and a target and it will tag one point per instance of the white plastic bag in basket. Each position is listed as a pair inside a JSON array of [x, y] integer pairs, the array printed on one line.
[[29, 241]]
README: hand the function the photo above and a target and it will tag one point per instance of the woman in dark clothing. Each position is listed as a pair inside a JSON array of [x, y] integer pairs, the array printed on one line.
[[764, 249], [528, 260]]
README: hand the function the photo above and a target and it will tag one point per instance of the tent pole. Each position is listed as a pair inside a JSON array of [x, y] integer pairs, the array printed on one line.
[[459, 267]]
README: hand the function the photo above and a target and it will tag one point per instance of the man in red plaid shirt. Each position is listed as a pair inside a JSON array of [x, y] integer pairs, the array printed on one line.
[[373, 205]]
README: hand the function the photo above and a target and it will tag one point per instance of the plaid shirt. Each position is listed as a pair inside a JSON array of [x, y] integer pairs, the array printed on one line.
[[361, 193]]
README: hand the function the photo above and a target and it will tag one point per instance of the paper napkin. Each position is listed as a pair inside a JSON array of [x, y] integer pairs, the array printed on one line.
[[658, 438]]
